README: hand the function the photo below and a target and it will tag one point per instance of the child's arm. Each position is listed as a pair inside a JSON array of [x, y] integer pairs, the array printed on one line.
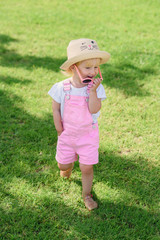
[[94, 101], [57, 117]]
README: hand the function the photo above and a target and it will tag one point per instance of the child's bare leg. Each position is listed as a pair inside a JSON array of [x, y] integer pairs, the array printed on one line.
[[87, 180], [65, 169]]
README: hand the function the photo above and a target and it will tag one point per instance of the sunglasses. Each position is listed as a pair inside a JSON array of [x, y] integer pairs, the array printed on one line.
[[88, 79]]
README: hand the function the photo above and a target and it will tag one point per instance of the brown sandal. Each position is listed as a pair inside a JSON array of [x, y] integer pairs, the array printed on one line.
[[90, 203]]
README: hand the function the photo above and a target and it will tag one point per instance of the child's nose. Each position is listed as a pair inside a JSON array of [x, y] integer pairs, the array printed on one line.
[[93, 71]]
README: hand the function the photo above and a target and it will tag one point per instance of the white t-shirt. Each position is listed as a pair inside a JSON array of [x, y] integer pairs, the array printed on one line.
[[58, 94]]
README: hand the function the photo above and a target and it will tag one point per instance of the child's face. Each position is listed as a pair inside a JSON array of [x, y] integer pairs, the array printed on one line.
[[89, 68]]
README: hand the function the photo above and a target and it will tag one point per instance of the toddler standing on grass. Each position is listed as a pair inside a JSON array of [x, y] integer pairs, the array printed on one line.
[[76, 106]]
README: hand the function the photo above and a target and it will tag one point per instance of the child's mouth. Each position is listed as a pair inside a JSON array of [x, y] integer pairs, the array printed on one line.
[[88, 79]]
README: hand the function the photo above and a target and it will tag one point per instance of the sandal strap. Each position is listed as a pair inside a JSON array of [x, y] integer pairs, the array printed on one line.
[[90, 203], [87, 197]]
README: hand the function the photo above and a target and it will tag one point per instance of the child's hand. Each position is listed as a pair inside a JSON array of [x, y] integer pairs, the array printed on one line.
[[59, 133], [95, 85]]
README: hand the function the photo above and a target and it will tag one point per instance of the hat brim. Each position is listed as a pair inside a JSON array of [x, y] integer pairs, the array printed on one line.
[[104, 57]]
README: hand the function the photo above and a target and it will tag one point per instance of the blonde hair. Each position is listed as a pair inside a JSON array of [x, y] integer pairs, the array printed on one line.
[[88, 61]]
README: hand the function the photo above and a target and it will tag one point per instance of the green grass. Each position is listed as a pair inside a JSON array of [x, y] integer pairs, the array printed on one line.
[[35, 203]]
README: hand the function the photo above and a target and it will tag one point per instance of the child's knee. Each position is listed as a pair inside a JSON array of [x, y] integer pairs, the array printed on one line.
[[86, 169], [64, 167]]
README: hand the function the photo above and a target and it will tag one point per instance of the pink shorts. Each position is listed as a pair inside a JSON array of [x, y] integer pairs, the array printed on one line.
[[85, 145]]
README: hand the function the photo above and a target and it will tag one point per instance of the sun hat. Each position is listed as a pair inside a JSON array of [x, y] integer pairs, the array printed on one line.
[[83, 49]]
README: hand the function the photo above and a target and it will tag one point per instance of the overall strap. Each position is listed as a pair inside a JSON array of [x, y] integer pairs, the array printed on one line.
[[66, 85]]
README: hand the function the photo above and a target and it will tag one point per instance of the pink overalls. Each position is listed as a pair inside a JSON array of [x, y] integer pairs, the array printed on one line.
[[80, 136]]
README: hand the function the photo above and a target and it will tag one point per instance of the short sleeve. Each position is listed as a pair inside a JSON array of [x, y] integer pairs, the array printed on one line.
[[56, 92], [101, 92]]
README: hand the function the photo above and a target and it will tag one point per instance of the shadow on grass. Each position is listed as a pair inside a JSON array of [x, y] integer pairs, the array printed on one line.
[[5, 39], [10, 58], [11, 80], [27, 147], [125, 77], [135, 175], [19, 128], [52, 219]]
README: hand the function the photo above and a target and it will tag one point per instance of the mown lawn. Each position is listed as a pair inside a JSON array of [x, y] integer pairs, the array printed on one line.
[[35, 203]]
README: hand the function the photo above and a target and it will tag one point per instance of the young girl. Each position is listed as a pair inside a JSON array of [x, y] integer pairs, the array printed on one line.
[[76, 106]]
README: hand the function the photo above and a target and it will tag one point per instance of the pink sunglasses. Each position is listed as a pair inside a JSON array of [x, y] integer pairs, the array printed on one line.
[[88, 79]]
